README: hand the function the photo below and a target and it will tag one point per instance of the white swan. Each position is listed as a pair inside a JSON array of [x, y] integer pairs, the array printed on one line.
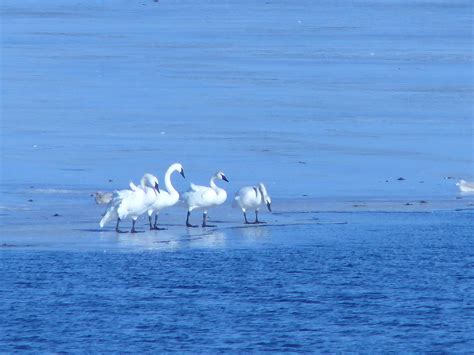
[[251, 198], [132, 203], [204, 197], [165, 198], [465, 186]]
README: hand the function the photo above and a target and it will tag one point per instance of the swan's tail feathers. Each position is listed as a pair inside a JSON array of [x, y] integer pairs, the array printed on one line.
[[235, 203], [110, 214], [183, 197]]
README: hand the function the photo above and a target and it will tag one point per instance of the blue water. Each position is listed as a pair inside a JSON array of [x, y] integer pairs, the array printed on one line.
[[383, 281]]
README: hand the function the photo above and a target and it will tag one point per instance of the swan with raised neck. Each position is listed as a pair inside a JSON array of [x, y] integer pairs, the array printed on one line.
[[166, 198]]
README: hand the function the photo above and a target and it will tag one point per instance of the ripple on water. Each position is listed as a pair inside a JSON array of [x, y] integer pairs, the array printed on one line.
[[403, 287]]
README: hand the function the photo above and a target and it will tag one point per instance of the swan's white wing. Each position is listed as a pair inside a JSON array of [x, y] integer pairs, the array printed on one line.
[[248, 197], [192, 192], [162, 200], [250, 191], [122, 194], [126, 203], [133, 186], [117, 203], [207, 194], [132, 203], [194, 187], [200, 190], [199, 196]]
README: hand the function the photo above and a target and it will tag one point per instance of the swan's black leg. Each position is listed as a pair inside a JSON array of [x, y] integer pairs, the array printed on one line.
[[149, 221], [204, 221], [133, 230], [117, 227], [187, 221], [256, 218], [245, 217], [156, 224]]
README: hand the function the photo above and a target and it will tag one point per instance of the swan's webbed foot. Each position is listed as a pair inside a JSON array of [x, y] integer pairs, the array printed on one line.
[[204, 221], [133, 230], [155, 225], [256, 219], [117, 229], [152, 227], [189, 225], [156, 228], [245, 218]]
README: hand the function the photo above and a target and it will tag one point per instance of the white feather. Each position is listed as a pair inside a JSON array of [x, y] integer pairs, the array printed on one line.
[[465, 186], [252, 197], [131, 203], [205, 197], [169, 197]]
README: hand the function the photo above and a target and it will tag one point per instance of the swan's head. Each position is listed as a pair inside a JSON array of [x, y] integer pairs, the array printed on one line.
[[179, 168], [266, 196], [150, 180], [221, 175]]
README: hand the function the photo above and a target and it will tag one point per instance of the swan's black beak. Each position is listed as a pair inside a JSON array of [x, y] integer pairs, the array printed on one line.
[[157, 187], [224, 178], [182, 173], [269, 206]]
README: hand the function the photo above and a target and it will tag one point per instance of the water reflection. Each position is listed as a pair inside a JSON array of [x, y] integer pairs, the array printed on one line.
[[176, 238], [254, 232], [212, 239], [170, 239]]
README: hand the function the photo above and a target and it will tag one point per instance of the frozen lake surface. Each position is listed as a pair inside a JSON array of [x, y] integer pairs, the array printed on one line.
[[326, 98], [356, 114]]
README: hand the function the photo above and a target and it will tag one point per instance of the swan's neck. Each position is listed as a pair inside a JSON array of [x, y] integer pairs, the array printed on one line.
[[150, 193], [169, 186], [214, 186], [221, 193], [258, 193]]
